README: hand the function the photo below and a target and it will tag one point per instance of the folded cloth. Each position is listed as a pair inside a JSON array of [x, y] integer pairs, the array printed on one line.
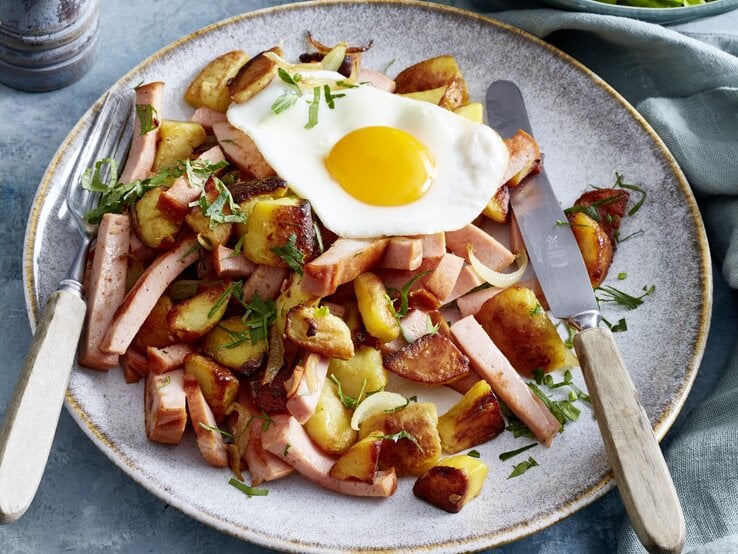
[[687, 89]]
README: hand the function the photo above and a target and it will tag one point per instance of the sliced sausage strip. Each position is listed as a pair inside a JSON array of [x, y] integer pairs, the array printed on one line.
[[241, 150], [164, 408], [207, 118], [140, 300], [107, 284], [265, 281], [403, 253], [210, 442], [143, 147], [487, 250], [167, 358], [263, 465], [345, 260], [287, 439], [303, 403], [487, 360], [376, 79], [230, 265]]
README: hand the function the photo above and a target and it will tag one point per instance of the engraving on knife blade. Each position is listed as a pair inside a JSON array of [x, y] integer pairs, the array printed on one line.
[[555, 254]]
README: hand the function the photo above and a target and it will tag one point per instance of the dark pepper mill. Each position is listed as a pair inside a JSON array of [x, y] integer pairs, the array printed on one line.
[[46, 44]]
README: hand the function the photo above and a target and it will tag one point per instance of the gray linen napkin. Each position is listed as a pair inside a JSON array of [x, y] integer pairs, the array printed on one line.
[[688, 91]]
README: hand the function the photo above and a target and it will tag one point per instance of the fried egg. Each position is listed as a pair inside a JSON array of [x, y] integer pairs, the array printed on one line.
[[373, 163]]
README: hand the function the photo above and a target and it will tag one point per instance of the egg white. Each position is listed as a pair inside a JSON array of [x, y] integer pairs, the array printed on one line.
[[470, 158]]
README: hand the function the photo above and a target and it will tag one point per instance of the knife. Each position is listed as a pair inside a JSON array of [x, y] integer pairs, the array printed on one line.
[[640, 471]]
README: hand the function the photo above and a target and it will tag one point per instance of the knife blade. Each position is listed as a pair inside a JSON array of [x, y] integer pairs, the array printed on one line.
[[638, 465]]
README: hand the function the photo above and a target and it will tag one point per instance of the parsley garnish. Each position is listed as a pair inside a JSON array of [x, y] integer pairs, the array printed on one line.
[[313, 109], [260, 315], [522, 467], [620, 239], [398, 408], [117, 196], [346, 84], [224, 297], [290, 254], [514, 425], [390, 64], [291, 80], [286, 449], [563, 410], [350, 402], [248, 491], [238, 248], [215, 211], [536, 311], [284, 101], [329, 97], [512, 453], [620, 327], [402, 435], [147, 117], [216, 430], [611, 294], [622, 184], [473, 454], [431, 329], [622, 276]]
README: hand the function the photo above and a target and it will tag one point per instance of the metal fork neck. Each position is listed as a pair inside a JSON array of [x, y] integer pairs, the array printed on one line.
[[77, 269]]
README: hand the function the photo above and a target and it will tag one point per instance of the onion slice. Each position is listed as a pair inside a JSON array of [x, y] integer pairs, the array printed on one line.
[[379, 402], [495, 278]]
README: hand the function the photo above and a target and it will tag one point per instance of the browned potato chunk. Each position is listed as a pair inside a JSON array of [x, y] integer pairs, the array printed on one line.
[[256, 74], [452, 483], [360, 462], [274, 224], [377, 313], [177, 141], [473, 111], [330, 426], [432, 360], [364, 372], [218, 384], [610, 205], [210, 87], [432, 96], [525, 155], [247, 193], [196, 316], [229, 344], [155, 330], [497, 208], [152, 226], [317, 330], [473, 420], [409, 456], [434, 73], [292, 295], [594, 244], [210, 236], [517, 324]]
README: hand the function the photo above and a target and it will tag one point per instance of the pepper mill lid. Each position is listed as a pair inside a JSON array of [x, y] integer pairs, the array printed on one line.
[[47, 44]]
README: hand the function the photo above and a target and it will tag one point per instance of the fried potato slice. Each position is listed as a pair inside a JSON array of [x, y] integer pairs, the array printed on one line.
[[210, 87], [376, 311], [229, 344], [497, 209], [364, 372], [151, 225], [177, 141], [595, 245], [521, 329], [610, 205], [432, 360], [252, 77], [317, 330], [452, 483], [411, 443], [218, 384], [473, 420], [434, 73], [330, 426], [155, 329], [197, 316], [360, 462]]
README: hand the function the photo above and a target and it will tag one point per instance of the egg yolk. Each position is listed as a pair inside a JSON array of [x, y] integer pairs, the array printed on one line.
[[381, 166]]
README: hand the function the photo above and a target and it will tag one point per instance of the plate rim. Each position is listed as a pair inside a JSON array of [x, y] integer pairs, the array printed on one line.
[[496, 538]]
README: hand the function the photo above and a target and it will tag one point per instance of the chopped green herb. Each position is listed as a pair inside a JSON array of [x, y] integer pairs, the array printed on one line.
[[622, 276], [290, 254], [514, 425], [620, 327], [563, 410], [267, 421], [215, 211], [619, 182], [286, 449], [248, 491], [402, 435], [473, 454], [313, 109], [329, 96], [193, 248], [611, 294], [291, 80], [407, 403], [166, 382], [224, 297], [522, 467], [512, 453], [147, 117], [350, 402], [259, 317], [238, 248], [284, 101], [216, 430], [322, 311], [345, 84], [404, 301], [538, 375], [538, 310], [620, 239], [429, 327]]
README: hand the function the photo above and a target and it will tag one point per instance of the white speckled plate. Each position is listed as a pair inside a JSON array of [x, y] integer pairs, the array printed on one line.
[[654, 15], [587, 132]]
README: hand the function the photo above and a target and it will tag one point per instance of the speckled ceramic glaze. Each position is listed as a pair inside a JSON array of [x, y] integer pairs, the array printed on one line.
[[654, 15], [587, 132]]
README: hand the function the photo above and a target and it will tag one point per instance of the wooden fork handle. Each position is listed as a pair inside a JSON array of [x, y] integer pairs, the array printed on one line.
[[30, 422], [641, 473]]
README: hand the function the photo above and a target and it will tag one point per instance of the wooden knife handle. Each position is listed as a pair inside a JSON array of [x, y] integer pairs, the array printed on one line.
[[33, 414], [640, 470]]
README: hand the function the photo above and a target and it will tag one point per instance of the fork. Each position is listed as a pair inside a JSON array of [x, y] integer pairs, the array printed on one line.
[[33, 414]]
